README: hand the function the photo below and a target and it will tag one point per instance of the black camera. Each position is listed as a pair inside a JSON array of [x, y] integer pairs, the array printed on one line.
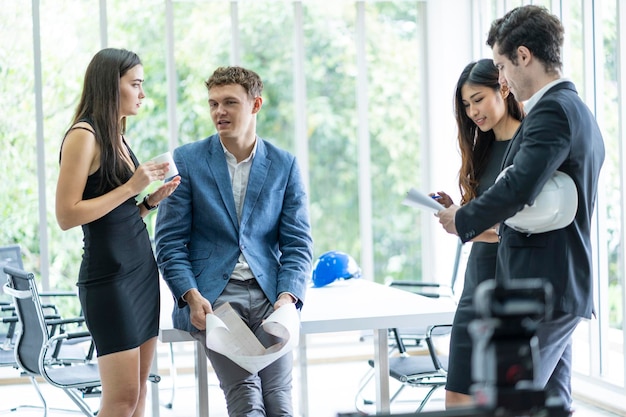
[[506, 353], [506, 350]]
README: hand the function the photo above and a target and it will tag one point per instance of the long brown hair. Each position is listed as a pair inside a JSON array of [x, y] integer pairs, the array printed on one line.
[[474, 144], [100, 105]]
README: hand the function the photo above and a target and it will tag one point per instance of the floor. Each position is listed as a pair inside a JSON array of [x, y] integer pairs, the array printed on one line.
[[337, 364]]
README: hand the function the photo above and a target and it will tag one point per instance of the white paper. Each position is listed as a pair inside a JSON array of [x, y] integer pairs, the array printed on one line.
[[227, 334], [418, 199]]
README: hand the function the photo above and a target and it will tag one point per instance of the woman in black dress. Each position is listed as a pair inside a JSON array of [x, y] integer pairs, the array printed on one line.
[[487, 117], [98, 183]]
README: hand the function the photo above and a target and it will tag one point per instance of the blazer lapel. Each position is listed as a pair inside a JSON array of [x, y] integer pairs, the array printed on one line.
[[216, 162], [258, 175]]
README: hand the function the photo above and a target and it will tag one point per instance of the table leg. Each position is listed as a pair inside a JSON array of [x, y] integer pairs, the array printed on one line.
[[381, 370], [154, 389], [304, 393], [202, 379]]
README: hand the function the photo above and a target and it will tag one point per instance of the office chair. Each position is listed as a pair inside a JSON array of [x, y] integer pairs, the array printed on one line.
[[439, 290], [435, 289], [39, 353], [8, 323], [9, 255], [415, 336], [424, 366]]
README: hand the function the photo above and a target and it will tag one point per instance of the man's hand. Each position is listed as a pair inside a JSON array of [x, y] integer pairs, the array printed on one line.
[[284, 298], [199, 307], [446, 218]]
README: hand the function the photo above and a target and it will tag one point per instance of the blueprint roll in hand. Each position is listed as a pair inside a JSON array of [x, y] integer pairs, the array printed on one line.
[[227, 334]]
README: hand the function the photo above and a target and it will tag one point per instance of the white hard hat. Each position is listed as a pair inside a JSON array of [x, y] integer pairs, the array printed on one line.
[[554, 208]]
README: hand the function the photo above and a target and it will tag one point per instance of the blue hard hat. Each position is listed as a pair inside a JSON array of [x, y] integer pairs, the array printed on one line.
[[334, 265]]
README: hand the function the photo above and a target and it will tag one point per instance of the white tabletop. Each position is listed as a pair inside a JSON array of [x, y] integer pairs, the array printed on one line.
[[360, 304]]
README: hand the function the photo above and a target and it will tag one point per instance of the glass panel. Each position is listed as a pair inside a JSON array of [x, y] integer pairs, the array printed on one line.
[[330, 68], [61, 60], [608, 118], [393, 55], [573, 45], [604, 335], [19, 201], [140, 27], [269, 52], [608, 115], [202, 36], [573, 68]]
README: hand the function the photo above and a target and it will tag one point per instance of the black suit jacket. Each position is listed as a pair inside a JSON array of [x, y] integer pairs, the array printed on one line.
[[559, 133]]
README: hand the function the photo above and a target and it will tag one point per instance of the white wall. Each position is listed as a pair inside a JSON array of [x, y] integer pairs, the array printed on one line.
[[449, 44]]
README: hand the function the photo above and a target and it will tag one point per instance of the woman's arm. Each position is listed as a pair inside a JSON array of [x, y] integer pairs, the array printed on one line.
[[80, 157]]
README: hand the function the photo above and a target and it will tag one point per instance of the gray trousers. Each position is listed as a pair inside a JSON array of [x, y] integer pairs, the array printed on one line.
[[555, 356], [267, 393]]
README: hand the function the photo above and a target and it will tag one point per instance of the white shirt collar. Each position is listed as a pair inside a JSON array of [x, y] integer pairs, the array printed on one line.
[[250, 157], [530, 103]]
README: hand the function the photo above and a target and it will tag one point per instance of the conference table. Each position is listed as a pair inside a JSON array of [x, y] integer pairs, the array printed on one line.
[[342, 306]]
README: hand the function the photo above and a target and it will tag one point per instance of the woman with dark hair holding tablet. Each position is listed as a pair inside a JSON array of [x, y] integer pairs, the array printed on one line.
[[487, 117]]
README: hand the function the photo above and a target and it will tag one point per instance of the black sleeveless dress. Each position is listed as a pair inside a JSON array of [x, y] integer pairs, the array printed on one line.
[[118, 283], [481, 265]]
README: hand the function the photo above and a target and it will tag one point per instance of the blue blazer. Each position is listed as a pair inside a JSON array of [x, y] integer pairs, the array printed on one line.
[[559, 133], [198, 236]]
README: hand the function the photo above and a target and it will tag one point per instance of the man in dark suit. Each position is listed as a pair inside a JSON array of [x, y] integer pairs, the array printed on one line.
[[558, 133], [237, 230]]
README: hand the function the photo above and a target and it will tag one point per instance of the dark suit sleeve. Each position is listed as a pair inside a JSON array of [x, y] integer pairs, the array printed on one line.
[[539, 148]]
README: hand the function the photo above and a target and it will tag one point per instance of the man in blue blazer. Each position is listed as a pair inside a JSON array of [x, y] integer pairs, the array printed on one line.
[[237, 230], [558, 133]]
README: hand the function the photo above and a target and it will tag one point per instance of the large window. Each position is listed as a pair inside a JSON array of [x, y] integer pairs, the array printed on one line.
[[349, 89], [594, 62], [368, 46]]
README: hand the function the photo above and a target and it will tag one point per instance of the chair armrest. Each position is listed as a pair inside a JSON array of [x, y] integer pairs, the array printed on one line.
[[427, 289], [438, 330], [56, 320], [12, 319], [58, 323], [57, 294], [76, 335], [8, 337], [57, 342], [51, 294]]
